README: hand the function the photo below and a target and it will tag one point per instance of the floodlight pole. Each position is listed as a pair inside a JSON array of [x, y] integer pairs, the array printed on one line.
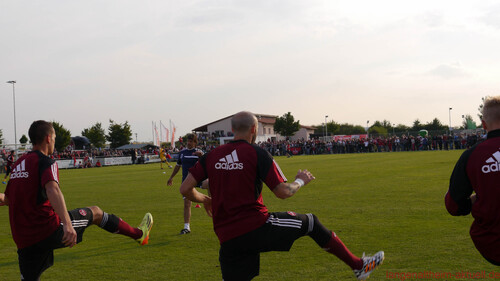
[[326, 128], [449, 112], [14, 99]]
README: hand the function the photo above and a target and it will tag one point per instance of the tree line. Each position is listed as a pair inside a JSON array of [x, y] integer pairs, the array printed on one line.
[[286, 125], [118, 135]]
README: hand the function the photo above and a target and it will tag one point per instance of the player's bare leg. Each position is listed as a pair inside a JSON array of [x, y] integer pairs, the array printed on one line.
[[187, 216]]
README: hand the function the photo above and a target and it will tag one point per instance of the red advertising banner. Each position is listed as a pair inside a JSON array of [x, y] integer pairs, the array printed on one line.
[[349, 137]]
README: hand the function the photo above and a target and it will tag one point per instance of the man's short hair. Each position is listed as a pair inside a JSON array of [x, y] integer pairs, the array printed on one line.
[[39, 130], [491, 110], [192, 137], [243, 121]]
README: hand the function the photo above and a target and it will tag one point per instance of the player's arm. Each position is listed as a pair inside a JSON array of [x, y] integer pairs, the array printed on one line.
[[458, 199], [189, 191], [56, 199], [3, 199], [285, 189], [174, 172], [198, 152]]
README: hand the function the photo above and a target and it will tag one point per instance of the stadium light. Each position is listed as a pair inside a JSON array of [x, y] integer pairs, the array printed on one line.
[[14, 98], [449, 112], [326, 128]]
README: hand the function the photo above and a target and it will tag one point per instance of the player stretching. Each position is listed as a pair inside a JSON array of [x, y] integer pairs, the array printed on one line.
[[39, 220], [187, 158], [474, 186], [241, 221]]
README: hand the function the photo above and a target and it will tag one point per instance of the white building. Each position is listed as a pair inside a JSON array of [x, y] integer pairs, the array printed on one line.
[[221, 129]]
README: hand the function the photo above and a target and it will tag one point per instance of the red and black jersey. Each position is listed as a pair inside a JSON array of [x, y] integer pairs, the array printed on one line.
[[478, 170], [10, 160], [32, 217], [236, 173]]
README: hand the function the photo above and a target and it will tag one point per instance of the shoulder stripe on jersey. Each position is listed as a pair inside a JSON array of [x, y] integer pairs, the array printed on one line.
[[53, 167], [279, 170]]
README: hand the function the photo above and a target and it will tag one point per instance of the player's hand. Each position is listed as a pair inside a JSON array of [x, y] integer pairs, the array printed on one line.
[[69, 237], [170, 182], [473, 198], [2, 198], [305, 175], [198, 153], [208, 206]]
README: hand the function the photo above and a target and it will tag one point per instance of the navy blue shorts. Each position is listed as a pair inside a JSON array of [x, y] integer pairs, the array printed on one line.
[[35, 259], [240, 257]]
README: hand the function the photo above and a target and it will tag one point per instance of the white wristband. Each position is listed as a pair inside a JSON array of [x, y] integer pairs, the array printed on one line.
[[300, 182]]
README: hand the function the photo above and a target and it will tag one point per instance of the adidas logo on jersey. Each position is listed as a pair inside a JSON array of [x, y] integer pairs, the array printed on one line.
[[493, 163], [19, 171], [230, 162]]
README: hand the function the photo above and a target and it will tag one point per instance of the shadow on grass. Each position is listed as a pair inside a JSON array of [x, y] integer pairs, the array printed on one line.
[[10, 263], [102, 251]]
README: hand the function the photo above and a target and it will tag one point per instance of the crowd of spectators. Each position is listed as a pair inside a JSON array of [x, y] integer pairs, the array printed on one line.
[[85, 158], [372, 144]]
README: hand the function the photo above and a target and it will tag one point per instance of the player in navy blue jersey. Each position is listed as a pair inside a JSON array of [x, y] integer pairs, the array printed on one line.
[[474, 185], [187, 159], [242, 223]]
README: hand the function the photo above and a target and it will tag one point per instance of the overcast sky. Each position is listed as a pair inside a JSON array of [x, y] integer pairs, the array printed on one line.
[[193, 62]]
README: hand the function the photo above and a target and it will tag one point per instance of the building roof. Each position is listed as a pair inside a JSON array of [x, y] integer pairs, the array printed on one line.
[[137, 146], [263, 118], [308, 127]]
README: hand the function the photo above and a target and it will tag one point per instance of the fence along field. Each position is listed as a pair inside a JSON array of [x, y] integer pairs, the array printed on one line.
[[373, 201]]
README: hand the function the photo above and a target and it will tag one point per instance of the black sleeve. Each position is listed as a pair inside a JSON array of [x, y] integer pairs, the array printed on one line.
[[264, 163], [45, 163], [203, 162], [460, 187]]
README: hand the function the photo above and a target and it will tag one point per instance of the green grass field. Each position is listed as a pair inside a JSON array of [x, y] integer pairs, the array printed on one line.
[[380, 201]]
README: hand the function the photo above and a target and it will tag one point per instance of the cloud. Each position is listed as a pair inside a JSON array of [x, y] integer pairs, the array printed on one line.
[[432, 19], [491, 17], [448, 71]]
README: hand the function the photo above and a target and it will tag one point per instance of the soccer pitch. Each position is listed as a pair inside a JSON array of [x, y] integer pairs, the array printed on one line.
[[378, 201]]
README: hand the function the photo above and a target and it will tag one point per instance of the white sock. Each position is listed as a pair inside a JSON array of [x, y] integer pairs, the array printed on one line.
[[186, 226]]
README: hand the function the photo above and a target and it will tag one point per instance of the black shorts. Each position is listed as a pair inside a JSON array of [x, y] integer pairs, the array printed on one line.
[[35, 259], [240, 257]]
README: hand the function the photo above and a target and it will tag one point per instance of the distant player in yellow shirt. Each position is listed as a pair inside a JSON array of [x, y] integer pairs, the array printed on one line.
[[163, 157]]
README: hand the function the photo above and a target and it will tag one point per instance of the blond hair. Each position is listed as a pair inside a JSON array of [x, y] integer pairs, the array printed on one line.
[[491, 110]]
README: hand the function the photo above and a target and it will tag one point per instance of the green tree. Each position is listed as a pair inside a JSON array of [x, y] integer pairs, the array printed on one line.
[[332, 128], [385, 124], [401, 128], [377, 130], [417, 125], [286, 125], [119, 134], [96, 135], [468, 123], [63, 136], [1, 136], [349, 129], [435, 125], [23, 140], [480, 108]]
